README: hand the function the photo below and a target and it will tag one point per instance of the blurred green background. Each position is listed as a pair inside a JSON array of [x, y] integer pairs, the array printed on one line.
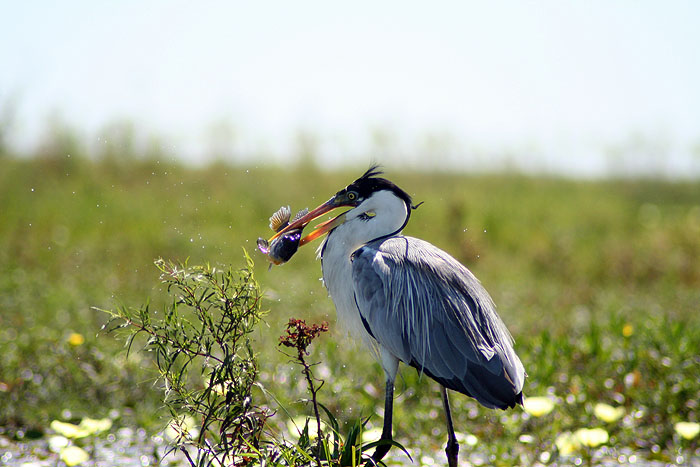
[[598, 281]]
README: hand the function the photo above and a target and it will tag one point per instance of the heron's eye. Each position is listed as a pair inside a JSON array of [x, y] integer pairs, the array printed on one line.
[[352, 196]]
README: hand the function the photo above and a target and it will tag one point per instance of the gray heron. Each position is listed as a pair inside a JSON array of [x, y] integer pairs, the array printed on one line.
[[411, 302]]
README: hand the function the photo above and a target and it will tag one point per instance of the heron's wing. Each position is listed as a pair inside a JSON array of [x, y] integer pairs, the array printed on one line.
[[430, 311]]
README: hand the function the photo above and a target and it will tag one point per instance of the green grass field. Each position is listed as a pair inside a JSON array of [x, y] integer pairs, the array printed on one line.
[[598, 281]]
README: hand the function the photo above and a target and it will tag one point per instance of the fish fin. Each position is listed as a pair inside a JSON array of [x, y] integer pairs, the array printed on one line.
[[280, 219]]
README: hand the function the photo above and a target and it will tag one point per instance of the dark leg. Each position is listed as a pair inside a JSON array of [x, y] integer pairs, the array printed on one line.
[[381, 450], [452, 449]]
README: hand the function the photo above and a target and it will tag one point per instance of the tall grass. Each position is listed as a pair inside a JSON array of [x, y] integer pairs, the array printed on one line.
[[599, 282]]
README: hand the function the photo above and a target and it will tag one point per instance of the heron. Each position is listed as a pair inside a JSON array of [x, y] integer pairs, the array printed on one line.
[[411, 302]]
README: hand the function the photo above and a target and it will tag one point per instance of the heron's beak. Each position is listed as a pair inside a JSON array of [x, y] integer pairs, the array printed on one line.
[[323, 229], [337, 201]]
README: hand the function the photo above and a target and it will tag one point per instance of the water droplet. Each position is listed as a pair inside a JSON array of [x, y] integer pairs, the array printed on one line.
[[32, 189]]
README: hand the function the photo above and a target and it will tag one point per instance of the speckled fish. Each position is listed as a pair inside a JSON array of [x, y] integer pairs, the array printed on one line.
[[282, 247]]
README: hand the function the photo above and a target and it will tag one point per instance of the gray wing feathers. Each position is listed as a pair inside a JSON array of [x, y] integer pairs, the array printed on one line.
[[430, 311]]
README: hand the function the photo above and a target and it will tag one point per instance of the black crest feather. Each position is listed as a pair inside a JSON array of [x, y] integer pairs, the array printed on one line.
[[373, 171], [370, 182]]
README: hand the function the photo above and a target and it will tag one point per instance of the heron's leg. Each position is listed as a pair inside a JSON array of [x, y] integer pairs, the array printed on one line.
[[381, 450], [452, 449]]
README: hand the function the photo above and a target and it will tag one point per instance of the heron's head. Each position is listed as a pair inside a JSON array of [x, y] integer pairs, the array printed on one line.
[[377, 208]]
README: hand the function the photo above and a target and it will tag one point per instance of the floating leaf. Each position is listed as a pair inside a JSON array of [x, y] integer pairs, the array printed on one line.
[[538, 406], [567, 444], [73, 455], [58, 442], [592, 437], [608, 413], [466, 438], [296, 426], [222, 388], [371, 434], [69, 430], [185, 426], [687, 430], [95, 426]]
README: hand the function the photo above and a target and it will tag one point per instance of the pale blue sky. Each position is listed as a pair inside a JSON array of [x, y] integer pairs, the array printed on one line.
[[553, 84]]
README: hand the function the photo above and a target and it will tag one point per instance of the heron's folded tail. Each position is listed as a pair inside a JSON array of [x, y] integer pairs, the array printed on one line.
[[490, 390]]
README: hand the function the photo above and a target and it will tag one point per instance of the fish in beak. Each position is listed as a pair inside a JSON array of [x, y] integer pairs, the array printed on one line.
[[284, 244]]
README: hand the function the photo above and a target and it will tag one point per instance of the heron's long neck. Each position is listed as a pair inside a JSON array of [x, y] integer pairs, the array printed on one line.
[[389, 215], [337, 277]]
